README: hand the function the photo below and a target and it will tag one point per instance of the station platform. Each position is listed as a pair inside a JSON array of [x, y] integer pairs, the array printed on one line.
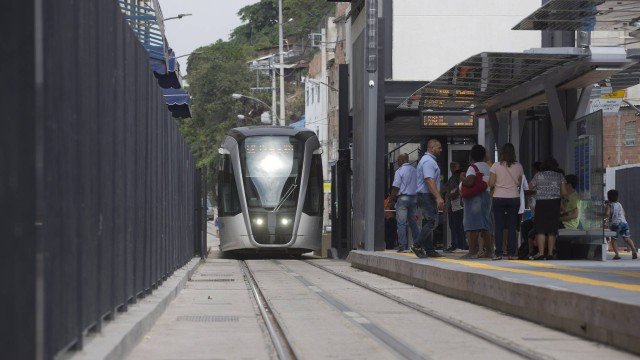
[[592, 299]]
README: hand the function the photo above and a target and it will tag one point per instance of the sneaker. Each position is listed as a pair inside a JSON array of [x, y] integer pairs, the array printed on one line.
[[449, 250], [616, 257], [419, 252], [434, 254], [634, 255]]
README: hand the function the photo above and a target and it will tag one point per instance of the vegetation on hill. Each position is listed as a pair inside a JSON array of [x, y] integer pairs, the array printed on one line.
[[218, 70]]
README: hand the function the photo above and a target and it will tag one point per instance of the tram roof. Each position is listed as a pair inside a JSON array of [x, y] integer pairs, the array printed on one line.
[[247, 131]]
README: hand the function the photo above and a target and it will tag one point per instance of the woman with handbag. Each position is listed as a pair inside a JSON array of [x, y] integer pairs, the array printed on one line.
[[475, 198], [505, 179]]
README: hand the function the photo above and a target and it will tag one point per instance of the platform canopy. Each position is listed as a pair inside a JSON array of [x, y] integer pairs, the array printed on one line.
[[469, 84], [584, 15]]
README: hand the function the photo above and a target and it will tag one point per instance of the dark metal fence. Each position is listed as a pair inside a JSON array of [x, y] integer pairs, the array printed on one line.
[[100, 197]]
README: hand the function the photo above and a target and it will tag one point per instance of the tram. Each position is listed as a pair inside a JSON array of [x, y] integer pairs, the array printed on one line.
[[270, 191]]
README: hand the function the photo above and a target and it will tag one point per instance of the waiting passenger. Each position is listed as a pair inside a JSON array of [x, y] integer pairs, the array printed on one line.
[[456, 214], [618, 223], [569, 214], [549, 185], [506, 179], [404, 187], [477, 204]]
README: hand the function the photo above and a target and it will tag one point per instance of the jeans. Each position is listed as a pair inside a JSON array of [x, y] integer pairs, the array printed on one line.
[[505, 210], [406, 213], [457, 230], [428, 207]]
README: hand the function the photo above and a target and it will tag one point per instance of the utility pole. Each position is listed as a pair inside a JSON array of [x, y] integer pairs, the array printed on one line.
[[281, 46], [274, 112], [372, 199], [325, 112]]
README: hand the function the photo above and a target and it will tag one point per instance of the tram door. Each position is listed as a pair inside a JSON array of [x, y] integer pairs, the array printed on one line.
[[460, 154]]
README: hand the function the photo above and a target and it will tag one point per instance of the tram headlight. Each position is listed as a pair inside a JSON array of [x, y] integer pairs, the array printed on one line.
[[259, 221], [285, 221]]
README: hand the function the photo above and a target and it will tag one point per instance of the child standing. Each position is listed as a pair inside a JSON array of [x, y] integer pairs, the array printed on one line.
[[618, 223]]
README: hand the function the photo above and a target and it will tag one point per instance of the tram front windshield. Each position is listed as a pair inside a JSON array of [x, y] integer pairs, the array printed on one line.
[[272, 166]]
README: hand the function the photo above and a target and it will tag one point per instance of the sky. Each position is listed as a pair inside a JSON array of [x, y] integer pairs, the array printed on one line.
[[211, 20]]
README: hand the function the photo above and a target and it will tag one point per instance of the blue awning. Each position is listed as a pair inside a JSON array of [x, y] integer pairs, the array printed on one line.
[[178, 101], [169, 76]]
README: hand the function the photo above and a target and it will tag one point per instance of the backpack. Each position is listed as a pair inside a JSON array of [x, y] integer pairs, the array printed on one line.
[[477, 187]]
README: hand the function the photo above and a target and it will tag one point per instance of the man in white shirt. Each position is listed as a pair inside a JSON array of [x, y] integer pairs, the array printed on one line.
[[404, 190], [429, 200]]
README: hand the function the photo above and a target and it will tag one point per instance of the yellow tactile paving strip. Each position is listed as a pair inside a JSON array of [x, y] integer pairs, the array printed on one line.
[[545, 274]]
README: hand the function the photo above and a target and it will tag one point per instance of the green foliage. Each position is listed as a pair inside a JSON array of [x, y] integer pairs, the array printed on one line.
[[260, 21], [219, 70], [214, 73]]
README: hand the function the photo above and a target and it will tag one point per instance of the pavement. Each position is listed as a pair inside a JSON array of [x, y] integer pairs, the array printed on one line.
[[595, 300]]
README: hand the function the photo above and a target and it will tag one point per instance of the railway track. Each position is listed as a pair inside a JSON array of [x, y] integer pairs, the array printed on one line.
[[284, 349]]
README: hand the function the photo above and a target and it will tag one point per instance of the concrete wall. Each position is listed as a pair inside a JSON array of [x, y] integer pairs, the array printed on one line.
[[424, 30]]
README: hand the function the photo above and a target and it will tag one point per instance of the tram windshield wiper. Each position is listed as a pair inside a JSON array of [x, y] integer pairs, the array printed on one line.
[[285, 197]]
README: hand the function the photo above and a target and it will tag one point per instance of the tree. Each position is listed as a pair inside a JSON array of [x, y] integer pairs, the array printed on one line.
[[214, 73]]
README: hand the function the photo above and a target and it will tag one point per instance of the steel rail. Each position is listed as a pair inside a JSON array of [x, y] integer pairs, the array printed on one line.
[[492, 338], [280, 343]]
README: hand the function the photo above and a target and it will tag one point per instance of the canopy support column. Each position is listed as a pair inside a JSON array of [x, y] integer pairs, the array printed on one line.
[[560, 132]]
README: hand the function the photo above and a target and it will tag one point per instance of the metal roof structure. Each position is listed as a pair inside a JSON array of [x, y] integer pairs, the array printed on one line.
[[584, 15], [146, 21], [469, 84], [626, 78]]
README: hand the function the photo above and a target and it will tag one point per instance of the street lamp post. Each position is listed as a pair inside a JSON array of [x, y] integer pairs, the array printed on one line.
[[236, 96], [179, 16]]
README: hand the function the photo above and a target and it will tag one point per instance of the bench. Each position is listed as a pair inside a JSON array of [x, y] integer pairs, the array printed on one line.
[[583, 244]]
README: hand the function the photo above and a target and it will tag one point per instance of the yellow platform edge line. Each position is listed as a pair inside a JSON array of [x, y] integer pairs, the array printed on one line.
[[563, 277], [571, 268]]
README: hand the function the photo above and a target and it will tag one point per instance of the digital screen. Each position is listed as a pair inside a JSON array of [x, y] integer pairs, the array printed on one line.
[[447, 121]]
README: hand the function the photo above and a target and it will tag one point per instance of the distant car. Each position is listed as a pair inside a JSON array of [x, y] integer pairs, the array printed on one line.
[[210, 212]]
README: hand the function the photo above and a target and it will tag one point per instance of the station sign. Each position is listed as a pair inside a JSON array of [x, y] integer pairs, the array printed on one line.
[[440, 121]]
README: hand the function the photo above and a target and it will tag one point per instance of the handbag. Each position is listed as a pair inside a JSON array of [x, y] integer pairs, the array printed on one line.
[[477, 187]]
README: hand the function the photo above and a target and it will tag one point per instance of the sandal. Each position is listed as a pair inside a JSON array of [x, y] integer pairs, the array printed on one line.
[[496, 257], [469, 256], [538, 257]]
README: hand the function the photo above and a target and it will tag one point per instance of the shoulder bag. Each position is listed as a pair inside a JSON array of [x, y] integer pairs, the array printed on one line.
[[477, 187]]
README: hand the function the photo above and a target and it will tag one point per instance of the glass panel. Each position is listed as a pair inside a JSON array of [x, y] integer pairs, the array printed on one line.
[[313, 199], [228, 199], [272, 166], [589, 167]]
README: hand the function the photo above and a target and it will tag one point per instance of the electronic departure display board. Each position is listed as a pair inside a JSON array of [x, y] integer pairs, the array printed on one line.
[[447, 121]]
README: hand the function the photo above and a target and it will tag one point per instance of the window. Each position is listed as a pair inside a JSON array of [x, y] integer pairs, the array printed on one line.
[[307, 97], [318, 92], [312, 95], [228, 200], [630, 133], [271, 168], [313, 205]]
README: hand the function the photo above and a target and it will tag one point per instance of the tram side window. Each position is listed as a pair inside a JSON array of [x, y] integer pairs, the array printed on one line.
[[228, 199], [313, 199]]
